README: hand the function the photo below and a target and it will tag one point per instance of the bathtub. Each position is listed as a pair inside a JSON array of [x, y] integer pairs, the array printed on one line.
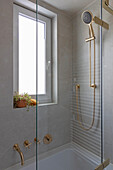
[[65, 160], [68, 157]]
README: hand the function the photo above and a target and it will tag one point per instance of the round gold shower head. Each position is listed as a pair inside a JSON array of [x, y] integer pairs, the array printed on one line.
[[87, 17]]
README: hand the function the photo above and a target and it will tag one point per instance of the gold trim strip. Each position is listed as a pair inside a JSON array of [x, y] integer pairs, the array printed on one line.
[[103, 165]]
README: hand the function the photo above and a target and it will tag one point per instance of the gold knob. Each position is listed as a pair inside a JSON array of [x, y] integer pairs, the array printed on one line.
[[38, 141], [47, 139], [27, 144]]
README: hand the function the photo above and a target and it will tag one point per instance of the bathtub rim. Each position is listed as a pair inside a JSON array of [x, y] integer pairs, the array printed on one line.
[[82, 152]]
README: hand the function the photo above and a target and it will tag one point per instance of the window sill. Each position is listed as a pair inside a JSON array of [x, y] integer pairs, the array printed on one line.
[[39, 105], [47, 104]]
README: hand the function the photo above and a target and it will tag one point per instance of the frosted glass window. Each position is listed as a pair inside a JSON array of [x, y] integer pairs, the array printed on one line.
[[27, 56], [26, 42]]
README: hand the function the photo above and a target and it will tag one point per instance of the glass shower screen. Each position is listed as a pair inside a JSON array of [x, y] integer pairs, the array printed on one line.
[[76, 119]]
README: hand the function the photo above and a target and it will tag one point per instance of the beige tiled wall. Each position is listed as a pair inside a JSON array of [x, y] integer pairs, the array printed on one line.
[[17, 125], [91, 140]]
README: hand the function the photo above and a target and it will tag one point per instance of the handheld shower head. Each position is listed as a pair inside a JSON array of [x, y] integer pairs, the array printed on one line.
[[87, 17]]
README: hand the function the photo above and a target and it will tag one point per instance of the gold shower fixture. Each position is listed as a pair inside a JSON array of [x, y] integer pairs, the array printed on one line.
[[107, 7], [88, 19], [27, 144], [17, 148], [77, 86], [38, 141], [92, 85], [78, 115], [47, 139]]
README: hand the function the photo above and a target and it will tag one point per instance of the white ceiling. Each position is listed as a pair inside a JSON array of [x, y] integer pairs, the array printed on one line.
[[70, 6]]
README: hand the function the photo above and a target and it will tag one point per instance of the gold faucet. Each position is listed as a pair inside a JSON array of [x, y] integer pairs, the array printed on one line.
[[17, 148]]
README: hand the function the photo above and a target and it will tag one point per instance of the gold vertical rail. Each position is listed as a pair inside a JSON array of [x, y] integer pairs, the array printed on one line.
[[94, 63], [90, 58], [91, 85]]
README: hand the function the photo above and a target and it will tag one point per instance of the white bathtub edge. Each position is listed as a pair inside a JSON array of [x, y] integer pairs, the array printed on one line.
[[82, 152]]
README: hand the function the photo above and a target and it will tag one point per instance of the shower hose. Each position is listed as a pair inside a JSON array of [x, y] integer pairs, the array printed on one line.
[[92, 86]]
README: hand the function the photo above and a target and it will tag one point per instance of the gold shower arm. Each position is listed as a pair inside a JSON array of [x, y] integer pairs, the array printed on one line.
[[105, 4]]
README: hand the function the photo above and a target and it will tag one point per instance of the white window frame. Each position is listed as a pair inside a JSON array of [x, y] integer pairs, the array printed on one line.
[[46, 98]]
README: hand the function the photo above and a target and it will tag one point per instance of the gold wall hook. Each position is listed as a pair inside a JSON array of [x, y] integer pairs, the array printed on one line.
[[27, 144], [17, 148]]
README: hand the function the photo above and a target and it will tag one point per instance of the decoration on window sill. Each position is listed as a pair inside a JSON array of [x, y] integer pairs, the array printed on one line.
[[23, 100]]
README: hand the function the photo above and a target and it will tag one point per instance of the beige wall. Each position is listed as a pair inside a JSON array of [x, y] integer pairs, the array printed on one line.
[[17, 125]]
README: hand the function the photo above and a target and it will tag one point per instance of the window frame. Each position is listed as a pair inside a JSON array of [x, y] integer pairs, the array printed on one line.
[[46, 98]]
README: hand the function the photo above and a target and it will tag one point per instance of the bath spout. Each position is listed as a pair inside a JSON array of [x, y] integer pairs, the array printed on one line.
[[17, 148]]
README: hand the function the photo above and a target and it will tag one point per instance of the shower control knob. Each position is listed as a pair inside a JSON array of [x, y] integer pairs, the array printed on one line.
[[38, 141], [27, 144], [47, 139]]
